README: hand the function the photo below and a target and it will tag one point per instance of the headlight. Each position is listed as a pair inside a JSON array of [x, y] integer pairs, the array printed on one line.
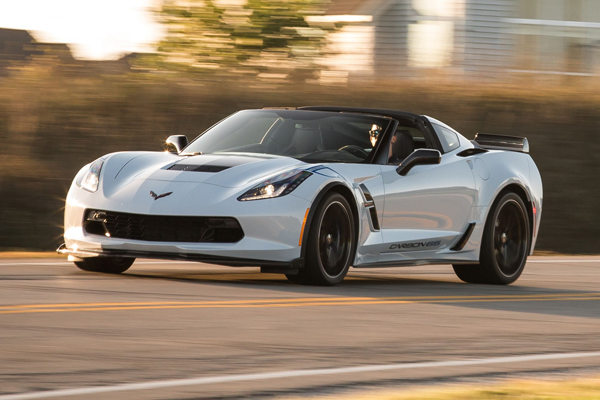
[[276, 187], [91, 178]]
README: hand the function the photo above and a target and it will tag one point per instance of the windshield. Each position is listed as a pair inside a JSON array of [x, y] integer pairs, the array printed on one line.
[[310, 136]]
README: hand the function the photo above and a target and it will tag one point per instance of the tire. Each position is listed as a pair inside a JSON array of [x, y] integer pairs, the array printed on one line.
[[330, 245], [505, 244], [298, 279], [107, 265]]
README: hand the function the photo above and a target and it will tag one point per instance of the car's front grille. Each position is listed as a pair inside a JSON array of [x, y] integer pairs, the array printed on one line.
[[163, 228]]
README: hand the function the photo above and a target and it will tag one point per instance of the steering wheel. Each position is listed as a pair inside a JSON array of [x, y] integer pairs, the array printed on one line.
[[356, 151]]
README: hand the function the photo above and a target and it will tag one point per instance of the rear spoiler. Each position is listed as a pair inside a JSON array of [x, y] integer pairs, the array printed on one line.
[[491, 141]]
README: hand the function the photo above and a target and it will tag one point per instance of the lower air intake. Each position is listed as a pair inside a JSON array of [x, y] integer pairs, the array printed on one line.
[[163, 228]]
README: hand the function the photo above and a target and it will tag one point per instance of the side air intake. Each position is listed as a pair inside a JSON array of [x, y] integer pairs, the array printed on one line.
[[500, 142], [464, 238]]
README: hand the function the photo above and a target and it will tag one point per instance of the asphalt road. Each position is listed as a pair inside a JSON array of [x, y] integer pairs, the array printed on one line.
[[161, 322]]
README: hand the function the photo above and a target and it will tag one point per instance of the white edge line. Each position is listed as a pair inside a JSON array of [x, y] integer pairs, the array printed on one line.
[[291, 374], [70, 263], [563, 261]]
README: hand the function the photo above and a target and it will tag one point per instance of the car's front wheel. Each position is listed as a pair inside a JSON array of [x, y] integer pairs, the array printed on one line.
[[107, 265], [505, 245], [331, 243]]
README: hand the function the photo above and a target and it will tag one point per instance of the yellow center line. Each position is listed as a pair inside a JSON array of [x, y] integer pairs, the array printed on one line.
[[183, 302], [299, 302]]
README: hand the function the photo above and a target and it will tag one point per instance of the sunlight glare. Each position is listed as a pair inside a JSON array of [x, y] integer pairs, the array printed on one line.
[[100, 29]]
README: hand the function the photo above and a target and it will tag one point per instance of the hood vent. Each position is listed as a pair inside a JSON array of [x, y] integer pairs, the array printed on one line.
[[198, 168]]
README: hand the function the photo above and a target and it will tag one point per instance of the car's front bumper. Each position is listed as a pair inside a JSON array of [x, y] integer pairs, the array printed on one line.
[[272, 227]]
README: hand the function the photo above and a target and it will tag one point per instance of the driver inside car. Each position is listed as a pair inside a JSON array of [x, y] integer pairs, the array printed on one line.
[[374, 134]]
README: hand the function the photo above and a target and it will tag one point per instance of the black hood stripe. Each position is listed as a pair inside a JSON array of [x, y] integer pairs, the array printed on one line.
[[198, 168], [212, 163]]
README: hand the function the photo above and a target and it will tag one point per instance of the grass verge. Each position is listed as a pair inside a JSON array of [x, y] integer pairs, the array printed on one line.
[[574, 389], [31, 254]]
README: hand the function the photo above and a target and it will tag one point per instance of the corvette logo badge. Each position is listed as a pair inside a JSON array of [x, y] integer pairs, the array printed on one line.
[[159, 196]]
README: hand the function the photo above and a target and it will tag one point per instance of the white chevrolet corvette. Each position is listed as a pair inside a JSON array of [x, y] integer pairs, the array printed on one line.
[[309, 192]]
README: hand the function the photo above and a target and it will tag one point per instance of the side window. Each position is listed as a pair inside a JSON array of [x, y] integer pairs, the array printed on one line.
[[448, 138]]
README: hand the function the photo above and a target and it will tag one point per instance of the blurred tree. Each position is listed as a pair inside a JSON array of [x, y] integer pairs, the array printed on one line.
[[268, 38]]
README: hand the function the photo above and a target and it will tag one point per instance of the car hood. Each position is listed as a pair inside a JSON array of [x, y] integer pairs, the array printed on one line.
[[229, 170]]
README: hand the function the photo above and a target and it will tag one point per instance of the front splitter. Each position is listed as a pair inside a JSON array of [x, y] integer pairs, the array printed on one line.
[[210, 259]]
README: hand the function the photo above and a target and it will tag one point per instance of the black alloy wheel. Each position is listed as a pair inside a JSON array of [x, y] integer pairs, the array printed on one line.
[[334, 239], [106, 265], [330, 245], [505, 244], [510, 241]]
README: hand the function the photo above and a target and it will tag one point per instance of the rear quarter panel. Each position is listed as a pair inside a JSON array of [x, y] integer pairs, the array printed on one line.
[[494, 171]]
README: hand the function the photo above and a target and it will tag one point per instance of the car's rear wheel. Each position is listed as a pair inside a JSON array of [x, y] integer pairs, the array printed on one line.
[[505, 245], [330, 245], [107, 265]]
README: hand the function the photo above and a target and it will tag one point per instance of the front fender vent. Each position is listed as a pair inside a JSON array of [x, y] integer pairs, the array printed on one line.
[[370, 205]]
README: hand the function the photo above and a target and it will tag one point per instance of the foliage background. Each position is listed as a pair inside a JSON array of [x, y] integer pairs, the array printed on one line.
[[264, 38], [54, 119], [58, 114]]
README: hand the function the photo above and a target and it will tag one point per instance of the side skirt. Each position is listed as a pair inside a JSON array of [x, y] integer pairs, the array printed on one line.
[[414, 263]]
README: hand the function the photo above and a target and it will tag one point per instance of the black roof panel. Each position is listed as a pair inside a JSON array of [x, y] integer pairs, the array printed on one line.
[[373, 111]]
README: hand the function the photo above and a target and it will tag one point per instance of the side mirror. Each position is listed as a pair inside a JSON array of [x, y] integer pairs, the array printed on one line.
[[176, 143], [419, 157]]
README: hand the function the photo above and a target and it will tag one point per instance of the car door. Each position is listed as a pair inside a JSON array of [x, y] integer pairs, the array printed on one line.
[[429, 208]]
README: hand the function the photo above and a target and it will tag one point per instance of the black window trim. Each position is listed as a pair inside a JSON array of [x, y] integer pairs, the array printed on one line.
[[433, 136]]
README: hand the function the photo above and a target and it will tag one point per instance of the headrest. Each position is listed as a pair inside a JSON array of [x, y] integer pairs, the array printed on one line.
[[307, 138], [404, 144]]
